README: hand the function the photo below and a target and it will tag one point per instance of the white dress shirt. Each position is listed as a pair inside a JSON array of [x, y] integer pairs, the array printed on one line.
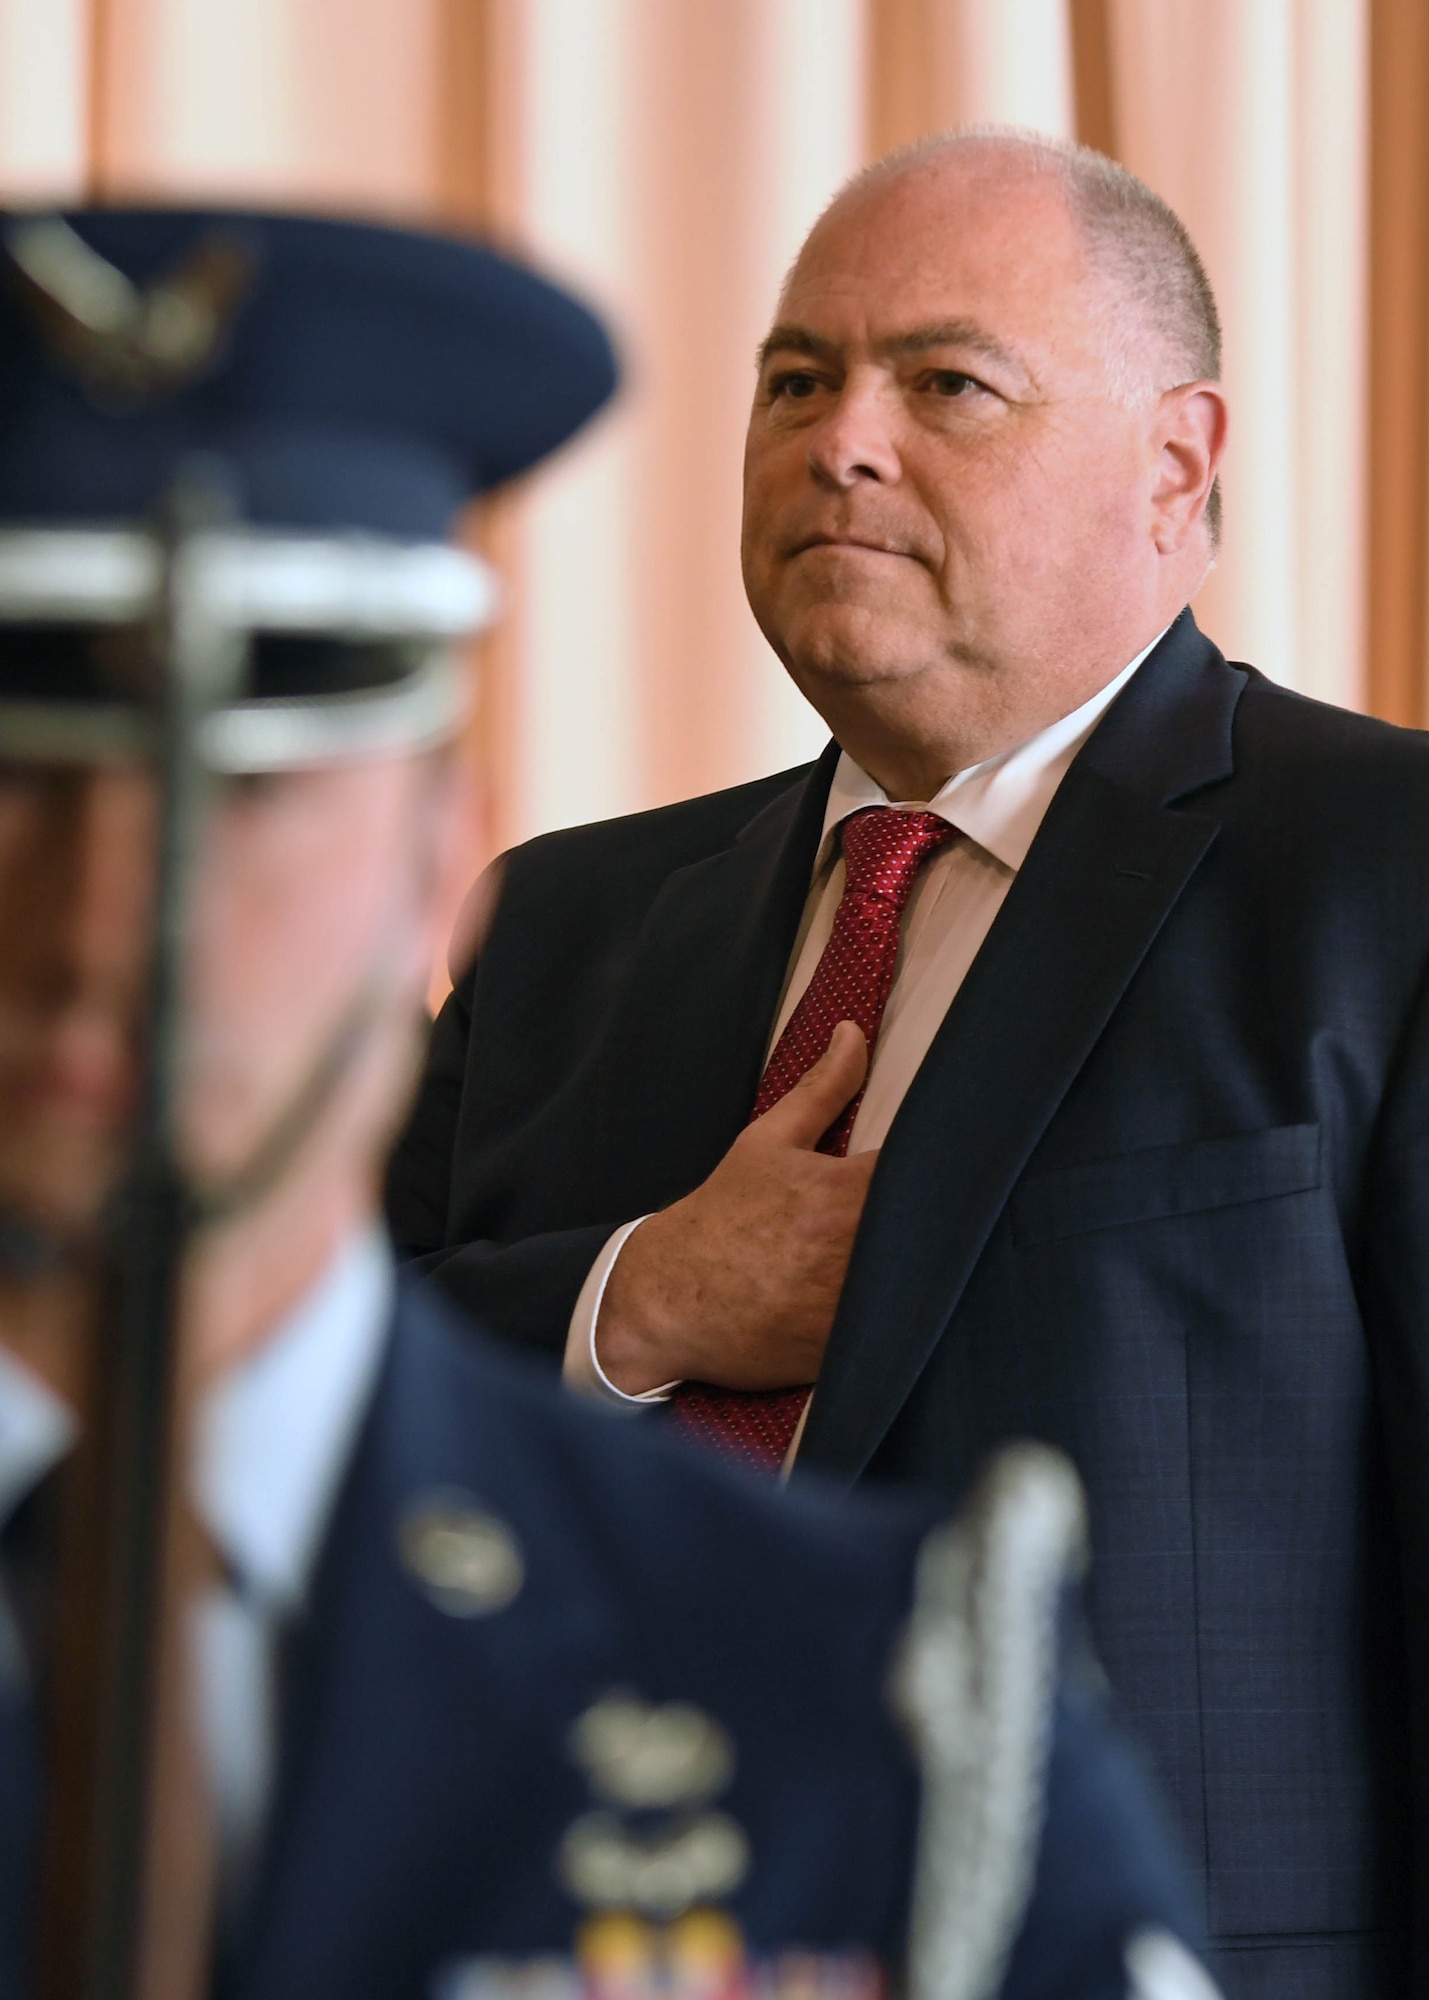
[[997, 807], [36, 1430], [275, 1436]]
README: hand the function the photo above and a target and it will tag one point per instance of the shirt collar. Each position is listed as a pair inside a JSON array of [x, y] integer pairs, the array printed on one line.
[[37, 1428], [274, 1435], [999, 803]]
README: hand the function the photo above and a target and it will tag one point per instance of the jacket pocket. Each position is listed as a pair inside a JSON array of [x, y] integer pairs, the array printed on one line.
[[1167, 1180]]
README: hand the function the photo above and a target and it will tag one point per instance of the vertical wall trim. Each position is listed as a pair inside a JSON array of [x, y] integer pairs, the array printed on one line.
[[900, 73], [1092, 74], [475, 161], [464, 167], [99, 97], [1397, 598]]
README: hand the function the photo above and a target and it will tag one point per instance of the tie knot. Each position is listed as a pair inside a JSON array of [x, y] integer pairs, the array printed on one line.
[[884, 849]]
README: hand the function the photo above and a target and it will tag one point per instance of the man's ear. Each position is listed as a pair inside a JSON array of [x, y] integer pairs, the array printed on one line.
[[1188, 440], [474, 919], [443, 840]]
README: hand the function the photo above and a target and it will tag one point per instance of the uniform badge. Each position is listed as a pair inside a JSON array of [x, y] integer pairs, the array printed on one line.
[[653, 1846], [604, 1863], [700, 1956], [465, 1560], [649, 1864], [641, 1755]]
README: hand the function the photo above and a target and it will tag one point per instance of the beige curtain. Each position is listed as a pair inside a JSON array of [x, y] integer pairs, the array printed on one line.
[[1248, 115], [667, 155], [667, 159], [1290, 133]]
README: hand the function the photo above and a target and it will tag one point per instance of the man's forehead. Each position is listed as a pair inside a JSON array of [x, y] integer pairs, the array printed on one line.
[[959, 196], [941, 256]]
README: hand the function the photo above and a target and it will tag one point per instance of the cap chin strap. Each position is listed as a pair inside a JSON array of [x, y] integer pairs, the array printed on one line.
[[231, 1195], [31, 1250]]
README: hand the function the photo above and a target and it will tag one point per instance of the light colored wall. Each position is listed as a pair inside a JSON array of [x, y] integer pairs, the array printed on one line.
[[44, 98]]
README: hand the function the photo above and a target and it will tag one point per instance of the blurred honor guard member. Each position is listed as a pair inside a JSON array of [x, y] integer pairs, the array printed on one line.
[[497, 1697], [1140, 945]]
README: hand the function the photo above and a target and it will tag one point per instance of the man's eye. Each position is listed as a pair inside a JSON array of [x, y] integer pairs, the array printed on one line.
[[796, 385], [949, 383], [16, 776], [256, 788]]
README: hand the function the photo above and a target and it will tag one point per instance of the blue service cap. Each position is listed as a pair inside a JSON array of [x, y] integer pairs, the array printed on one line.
[[348, 375], [347, 387]]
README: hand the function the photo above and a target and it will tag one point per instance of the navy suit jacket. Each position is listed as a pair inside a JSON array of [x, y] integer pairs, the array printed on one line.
[[427, 1777], [1159, 1194]]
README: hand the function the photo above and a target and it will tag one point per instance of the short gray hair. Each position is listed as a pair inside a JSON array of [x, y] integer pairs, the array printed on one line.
[[1137, 246]]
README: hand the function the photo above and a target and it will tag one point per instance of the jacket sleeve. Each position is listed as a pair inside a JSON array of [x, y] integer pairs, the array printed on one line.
[[1394, 1291], [499, 1188]]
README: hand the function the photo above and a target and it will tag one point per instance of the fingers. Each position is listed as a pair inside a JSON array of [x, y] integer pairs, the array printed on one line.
[[802, 1117]]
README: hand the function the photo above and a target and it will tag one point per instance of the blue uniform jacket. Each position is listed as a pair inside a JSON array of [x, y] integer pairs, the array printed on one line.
[[428, 1782]]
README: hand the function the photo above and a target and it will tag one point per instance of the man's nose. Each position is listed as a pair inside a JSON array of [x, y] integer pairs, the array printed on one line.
[[104, 847], [856, 440]]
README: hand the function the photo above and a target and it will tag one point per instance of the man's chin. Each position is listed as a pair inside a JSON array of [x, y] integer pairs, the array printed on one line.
[[853, 653], [56, 1200]]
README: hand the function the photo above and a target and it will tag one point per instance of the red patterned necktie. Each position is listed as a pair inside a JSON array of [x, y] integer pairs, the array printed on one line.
[[883, 851]]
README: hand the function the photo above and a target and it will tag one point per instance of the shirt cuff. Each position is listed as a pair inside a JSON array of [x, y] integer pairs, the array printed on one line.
[[581, 1369]]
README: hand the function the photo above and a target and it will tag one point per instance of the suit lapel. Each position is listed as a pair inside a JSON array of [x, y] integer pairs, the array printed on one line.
[[681, 1067], [1106, 869]]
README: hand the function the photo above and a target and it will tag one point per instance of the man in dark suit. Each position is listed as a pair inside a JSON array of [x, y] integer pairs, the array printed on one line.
[[1141, 1164], [491, 1699]]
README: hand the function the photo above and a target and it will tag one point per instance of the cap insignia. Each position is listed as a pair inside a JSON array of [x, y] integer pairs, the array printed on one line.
[[608, 1865], [128, 345]]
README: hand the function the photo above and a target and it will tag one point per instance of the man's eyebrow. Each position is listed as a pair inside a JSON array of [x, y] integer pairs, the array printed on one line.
[[964, 333], [787, 339]]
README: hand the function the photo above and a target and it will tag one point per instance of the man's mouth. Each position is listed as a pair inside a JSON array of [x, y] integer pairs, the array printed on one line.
[[84, 1079], [871, 545]]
